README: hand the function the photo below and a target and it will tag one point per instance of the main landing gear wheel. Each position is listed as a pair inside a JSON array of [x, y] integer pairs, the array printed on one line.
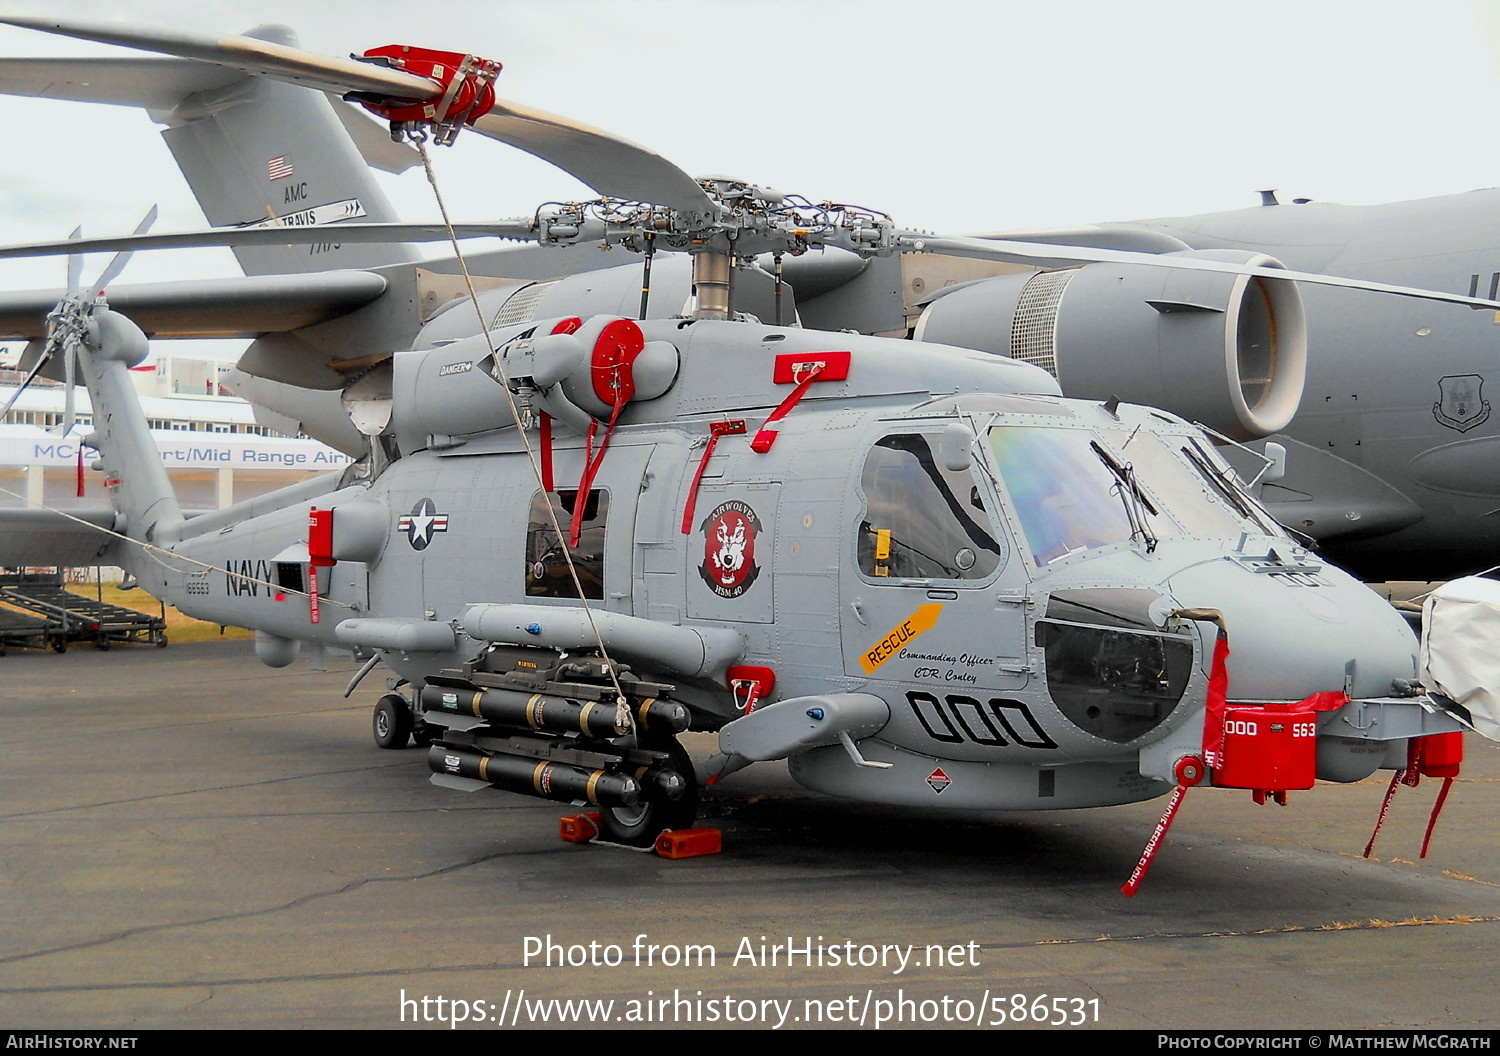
[[638, 826], [392, 723]]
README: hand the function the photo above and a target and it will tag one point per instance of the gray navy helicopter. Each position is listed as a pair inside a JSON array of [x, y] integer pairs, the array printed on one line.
[[916, 572]]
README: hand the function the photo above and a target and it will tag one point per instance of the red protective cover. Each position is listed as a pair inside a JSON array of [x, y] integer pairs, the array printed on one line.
[[1273, 747], [320, 538], [475, 95], [1438, 754], [786, 372]]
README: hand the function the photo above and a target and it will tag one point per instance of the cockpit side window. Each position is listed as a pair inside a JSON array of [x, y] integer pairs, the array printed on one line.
[[547, 574], [922, 521]]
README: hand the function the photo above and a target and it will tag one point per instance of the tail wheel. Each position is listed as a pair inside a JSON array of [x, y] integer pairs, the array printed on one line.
[[392, 722], [638, 826]]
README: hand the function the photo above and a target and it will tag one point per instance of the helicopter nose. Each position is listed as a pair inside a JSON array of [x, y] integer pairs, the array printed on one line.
[[1297, 633]]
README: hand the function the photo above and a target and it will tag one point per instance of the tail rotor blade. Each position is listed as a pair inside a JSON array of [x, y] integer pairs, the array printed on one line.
[[70, 360], [36, 368], [122, 258], [75, 262]]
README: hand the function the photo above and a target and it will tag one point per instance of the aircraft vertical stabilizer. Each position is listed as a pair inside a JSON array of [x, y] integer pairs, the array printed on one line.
[[255, 151], [258, 152]]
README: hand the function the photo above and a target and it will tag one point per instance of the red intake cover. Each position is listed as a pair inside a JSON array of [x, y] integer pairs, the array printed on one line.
[[614, 351]]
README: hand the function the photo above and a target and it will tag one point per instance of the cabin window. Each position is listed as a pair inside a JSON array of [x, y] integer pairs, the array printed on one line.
[[922, 521], [547, 574]]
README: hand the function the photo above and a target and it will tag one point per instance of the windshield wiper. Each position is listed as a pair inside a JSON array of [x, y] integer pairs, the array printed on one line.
[[1137, 504]]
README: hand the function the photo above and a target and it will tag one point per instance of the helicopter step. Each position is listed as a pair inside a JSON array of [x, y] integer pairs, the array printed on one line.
[[572, 729]]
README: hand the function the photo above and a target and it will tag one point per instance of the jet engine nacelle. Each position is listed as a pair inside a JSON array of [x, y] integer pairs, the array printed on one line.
[[1228, 351]]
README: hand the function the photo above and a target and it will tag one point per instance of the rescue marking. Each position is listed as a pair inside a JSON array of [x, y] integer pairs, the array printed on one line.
[[891, 642]]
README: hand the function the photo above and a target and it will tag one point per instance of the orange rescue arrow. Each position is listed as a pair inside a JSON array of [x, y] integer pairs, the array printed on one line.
[[891, 643]]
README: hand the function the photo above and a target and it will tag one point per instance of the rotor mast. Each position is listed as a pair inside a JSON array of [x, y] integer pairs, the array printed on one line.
[[712, 291]]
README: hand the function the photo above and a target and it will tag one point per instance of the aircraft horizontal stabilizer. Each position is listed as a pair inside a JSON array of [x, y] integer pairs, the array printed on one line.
[[153, 84], [46, 537], [158, 85], [238, 307], [247, 54], [373, 139]]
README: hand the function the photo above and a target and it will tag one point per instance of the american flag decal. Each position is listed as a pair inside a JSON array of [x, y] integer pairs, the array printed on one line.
[[278, 168]]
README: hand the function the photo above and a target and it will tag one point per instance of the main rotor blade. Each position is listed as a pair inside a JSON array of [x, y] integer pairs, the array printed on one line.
[[609, 164], [122, 258], [519, 230], [1041, 254], [324, 72]]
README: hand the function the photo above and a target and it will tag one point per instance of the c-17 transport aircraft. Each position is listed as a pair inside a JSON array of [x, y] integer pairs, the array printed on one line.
[[1391, 460], [916, 571]]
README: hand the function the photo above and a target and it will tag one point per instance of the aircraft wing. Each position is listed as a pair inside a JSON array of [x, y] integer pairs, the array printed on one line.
[[1129, 237], [45, 537], [237, 307]]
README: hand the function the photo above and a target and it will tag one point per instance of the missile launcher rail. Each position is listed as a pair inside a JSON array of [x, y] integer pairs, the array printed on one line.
[[544, 724]]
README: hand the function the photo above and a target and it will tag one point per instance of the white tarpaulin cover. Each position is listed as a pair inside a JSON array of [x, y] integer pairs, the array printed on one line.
[[1461, 648]]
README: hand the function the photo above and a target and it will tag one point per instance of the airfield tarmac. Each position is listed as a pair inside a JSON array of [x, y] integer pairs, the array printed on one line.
[[190, 839]]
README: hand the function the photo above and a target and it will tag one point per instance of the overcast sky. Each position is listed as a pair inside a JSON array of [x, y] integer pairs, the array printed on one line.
[[949, 114]]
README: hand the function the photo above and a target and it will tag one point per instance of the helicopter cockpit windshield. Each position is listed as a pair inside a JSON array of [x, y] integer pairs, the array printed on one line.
[[1060, 480]]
